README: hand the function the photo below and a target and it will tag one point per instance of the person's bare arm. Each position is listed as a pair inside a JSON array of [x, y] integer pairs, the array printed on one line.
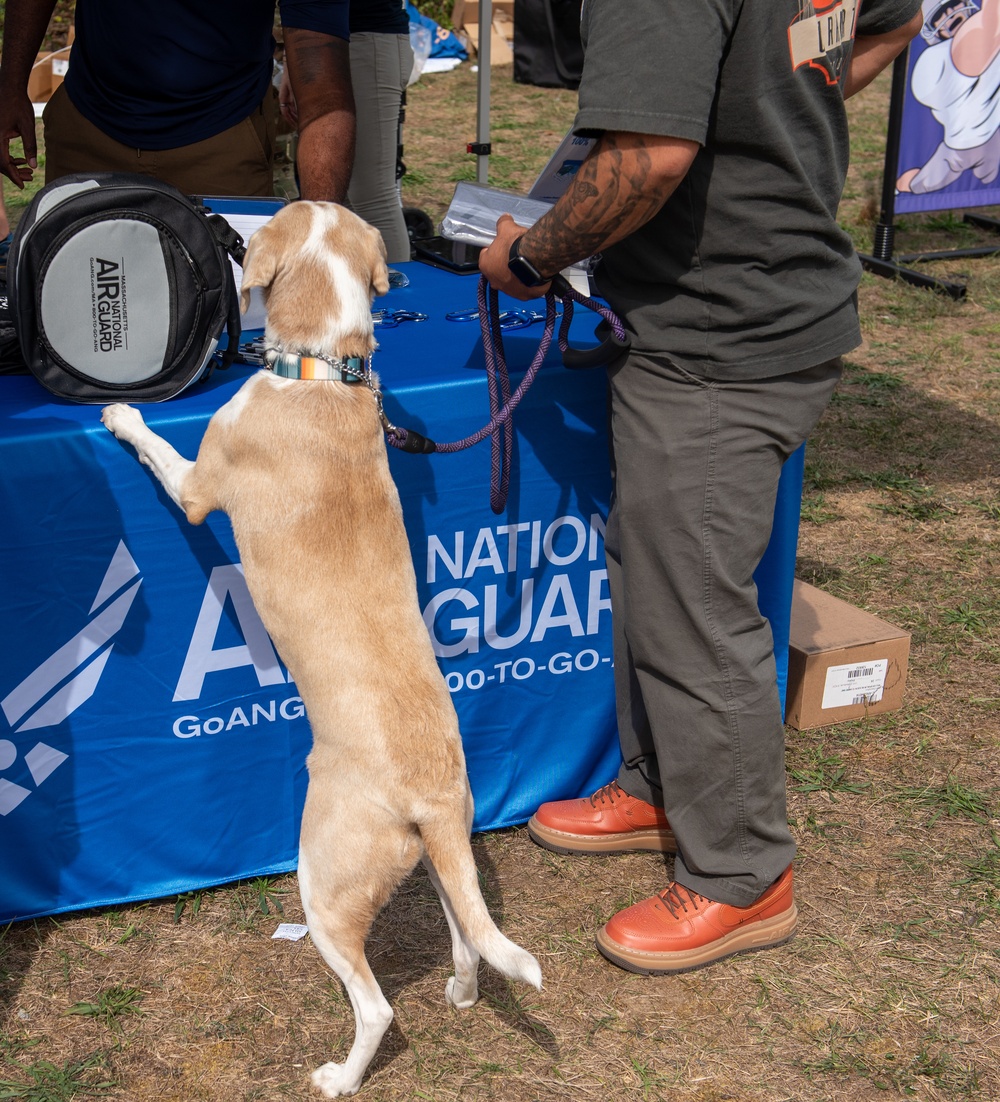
[[872, 53], [319, 70], [25, 24], [977, 41], [624, 181]]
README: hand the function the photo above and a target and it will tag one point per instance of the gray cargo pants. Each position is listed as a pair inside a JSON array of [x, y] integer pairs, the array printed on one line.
[[696, 466], [380, 67]]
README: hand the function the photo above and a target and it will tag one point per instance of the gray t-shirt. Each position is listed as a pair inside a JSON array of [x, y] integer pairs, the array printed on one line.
[[744, 273]]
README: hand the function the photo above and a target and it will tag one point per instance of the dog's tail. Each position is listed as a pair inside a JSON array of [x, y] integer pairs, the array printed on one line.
[[448, 848]]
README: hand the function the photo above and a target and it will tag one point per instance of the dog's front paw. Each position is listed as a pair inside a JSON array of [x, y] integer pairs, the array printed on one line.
[[333, 1082], [121, 419]]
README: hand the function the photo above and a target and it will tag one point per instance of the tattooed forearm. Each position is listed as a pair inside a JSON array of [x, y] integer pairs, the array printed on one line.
[[619, 187], [319, 73], [320, 70]]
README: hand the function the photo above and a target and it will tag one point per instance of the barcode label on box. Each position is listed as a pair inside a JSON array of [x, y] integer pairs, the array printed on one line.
[[859, 683]]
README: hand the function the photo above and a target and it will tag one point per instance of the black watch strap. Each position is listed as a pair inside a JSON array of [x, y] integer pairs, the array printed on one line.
[[522, 268]]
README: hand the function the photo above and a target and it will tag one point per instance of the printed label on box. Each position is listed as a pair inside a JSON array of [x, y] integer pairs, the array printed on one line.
[[859, 683], [60, 66]]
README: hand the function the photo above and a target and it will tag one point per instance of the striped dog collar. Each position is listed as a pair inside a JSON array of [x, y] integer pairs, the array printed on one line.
[[289, 365]]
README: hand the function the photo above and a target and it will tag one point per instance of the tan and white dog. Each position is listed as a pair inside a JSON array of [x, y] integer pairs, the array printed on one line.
[[301, 469]]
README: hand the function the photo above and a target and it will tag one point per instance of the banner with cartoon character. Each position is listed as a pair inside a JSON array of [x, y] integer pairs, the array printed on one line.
[[949, 152]]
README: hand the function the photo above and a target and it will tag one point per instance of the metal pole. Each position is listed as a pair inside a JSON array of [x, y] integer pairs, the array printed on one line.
[[483, 96], [885, 229]]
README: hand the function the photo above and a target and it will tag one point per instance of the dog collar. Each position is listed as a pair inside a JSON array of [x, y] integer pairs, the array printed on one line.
[[290, 365]]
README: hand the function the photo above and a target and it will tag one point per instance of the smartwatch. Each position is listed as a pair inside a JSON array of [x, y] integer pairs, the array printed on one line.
[[522, 268]]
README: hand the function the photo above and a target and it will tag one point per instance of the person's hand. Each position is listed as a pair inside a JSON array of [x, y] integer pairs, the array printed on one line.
[[904, 181], [286, 101], [493, 262], [17, 120]]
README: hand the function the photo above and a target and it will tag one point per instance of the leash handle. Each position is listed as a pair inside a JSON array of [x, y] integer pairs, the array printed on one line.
[[610, 348], [614, 340]]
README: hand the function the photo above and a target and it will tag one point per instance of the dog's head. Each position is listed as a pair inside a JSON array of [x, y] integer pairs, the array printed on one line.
[[320, 266]]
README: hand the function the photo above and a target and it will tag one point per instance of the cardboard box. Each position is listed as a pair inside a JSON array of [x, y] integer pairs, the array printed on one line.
[[465, 19], [843, 663], [48, 72]]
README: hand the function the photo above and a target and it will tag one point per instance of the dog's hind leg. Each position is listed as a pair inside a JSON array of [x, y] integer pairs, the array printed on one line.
[[462, 989], [372, 1014], [341, 897], [168, 465]]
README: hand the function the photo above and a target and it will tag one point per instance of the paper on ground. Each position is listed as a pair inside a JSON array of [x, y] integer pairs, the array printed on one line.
[[290, 931]]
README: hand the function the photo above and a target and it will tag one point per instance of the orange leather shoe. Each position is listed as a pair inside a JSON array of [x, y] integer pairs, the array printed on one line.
[[679, 930], [610, 821]]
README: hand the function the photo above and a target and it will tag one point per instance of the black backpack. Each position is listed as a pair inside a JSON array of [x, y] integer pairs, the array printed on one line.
[[120, 288]]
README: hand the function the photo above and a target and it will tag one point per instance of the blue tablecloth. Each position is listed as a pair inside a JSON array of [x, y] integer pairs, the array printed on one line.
[[150, 741]]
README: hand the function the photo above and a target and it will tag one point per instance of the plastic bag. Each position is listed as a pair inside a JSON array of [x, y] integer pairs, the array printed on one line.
[[421, 42]]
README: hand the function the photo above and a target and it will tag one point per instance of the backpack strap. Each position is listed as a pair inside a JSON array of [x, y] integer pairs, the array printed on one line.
[[234, 246], [227, 237]]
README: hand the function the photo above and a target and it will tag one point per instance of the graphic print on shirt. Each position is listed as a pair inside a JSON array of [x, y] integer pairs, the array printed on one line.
[[821, 35]]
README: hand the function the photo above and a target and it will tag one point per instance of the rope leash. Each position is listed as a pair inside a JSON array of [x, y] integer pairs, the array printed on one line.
[[500, 426]]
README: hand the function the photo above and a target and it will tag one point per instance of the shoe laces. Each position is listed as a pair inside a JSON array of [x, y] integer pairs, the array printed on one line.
[[676, 898], [610, 792]]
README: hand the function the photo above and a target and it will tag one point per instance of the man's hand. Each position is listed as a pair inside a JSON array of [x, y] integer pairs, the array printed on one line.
[[17, 120], [15, 124], [286, 102], [493, 262], [25, 23]]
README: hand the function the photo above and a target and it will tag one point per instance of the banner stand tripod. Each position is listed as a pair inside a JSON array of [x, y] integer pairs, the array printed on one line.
[[881, 262]]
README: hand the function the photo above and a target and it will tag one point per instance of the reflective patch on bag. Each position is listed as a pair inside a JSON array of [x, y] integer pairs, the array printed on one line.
[[59, 192], [106, 302]]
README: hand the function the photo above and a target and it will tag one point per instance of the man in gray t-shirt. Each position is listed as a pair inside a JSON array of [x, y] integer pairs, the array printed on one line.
[[711, 193]]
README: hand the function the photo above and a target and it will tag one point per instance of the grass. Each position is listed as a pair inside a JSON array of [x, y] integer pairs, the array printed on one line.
[[111, 1005], [951, 799], [892, 987], [982, 876], [43, 1081], [823, 772]]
